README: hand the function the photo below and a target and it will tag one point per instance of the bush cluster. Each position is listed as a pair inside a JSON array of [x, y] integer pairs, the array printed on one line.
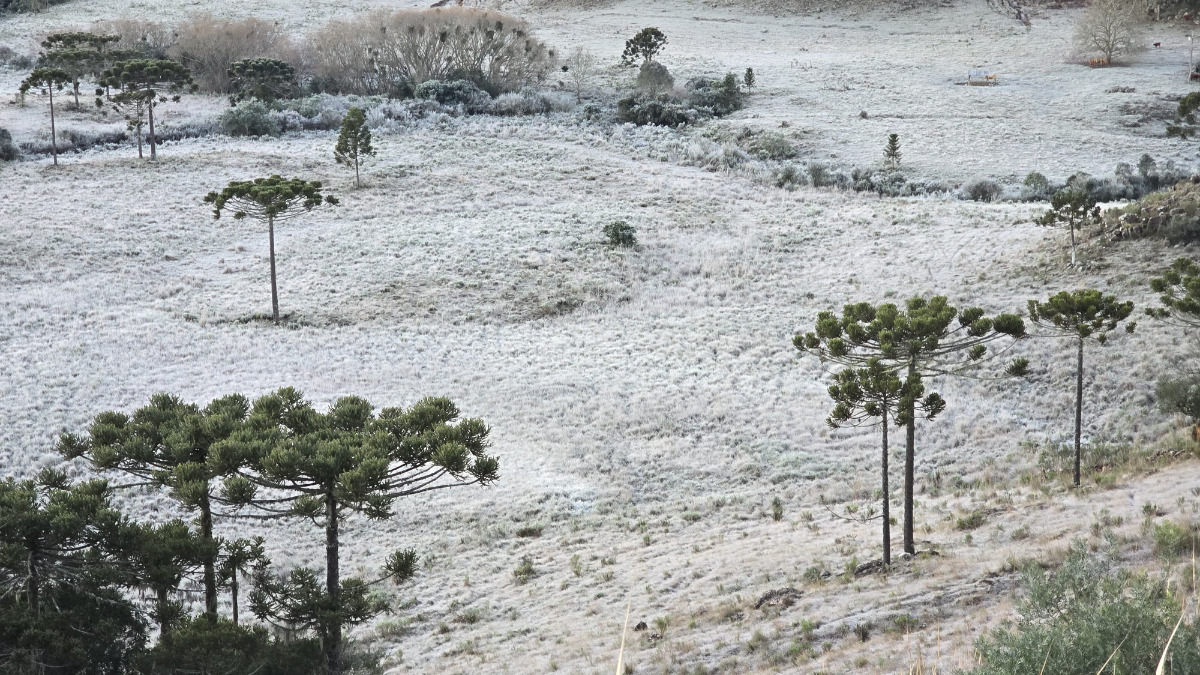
[[8, 151], [1172, 214], [249, 118]]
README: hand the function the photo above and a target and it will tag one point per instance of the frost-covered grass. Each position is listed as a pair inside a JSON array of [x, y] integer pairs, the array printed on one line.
[[646, 403]]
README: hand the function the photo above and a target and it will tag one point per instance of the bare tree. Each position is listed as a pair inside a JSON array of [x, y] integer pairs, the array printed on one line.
[[580, 66], [1112, 27]]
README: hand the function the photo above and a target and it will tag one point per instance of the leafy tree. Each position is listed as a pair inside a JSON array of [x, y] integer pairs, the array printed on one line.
[[580, 66], [77, 53], [168, 444], [862, 394], [139, 81], [748, 79], [48, 79], [1185, 118], [164, 556], [354, 141], [241, 557], [326, 466], [1080, 315], [927, 338], [269, 199], [1180, 289], [197, 646], [644, 46], [61, 574], [891, 151], [1076, 208], [263, 79]]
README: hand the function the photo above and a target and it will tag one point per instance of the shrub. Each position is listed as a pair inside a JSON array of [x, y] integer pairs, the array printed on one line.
[[529, 103], [715, 97], [971, 521], [659, 111], [1172, 540], [819, 175], [388, 52], [524, 571], [8, 151], [620, 233], [789, 177], [1180, 395], [654, 78], [8, 57], [1074, 618], [981, 190], [771, 146], [454, 92], [1173, 214], [249, 118], [208, 45], [1037, 183]]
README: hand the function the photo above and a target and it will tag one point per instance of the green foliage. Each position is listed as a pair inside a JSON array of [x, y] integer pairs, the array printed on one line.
[[981, 190], [620, 233], [354, 141], [1082, 314], [1074, 207], [1179, 287], [1184, 126], [1074, 618], [271, 197], [777, 509], [1036, 182], [748, 78], [249, 118], [452, 92], [1172, 540], [202, 647], [1172, 214], [45, 79], [971, 521], [714, 97], [141, 83], [8, 150], [524, 571], [644, 46], [1180, 395], [659, 111], [262, 79], [891, 151]]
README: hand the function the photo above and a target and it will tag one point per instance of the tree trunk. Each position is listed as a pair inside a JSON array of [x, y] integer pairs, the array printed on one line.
[[150, 115], [274, 288], [357, 182], [34, 585], [1078, 410], [77, 94], [210, 572], [887, 507], [1072, 244], [139, 135], [53, 134], [164, 627], [333, 586], [910, 445], [233, 589]]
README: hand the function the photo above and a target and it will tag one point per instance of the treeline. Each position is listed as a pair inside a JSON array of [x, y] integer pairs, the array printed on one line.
[[73, 566]]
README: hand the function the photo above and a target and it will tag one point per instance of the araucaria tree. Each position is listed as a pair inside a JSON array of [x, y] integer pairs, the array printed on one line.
[[928, 338], [77, 53], [354, 141], [326, 466], [1179, 287], [643, 47], [891, 151], [1111, 27], [47, 80], [263, 79], [1074, 207], [875, 391], [141, 82], [268, 200], [748, 79], [168, 444], [1080, 315]]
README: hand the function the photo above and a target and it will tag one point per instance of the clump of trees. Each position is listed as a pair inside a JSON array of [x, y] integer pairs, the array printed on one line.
[[142, 85], [69, 559]]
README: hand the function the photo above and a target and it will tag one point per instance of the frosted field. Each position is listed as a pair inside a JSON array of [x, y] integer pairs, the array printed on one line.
[[623, 387]]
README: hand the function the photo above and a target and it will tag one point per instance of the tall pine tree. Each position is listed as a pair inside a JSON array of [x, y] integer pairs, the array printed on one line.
[[354, 142]]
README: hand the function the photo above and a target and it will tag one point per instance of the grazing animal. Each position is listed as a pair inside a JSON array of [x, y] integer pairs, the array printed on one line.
[[1157, 45], [641, 626]]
